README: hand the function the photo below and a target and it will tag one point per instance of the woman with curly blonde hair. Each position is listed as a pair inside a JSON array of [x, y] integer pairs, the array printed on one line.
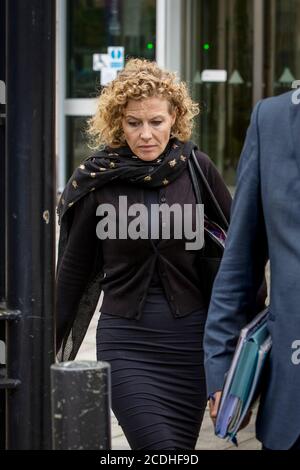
[[117, 236], [138, 81]]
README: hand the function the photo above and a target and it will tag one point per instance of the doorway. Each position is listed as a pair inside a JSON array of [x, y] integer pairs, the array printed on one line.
[[89, 27], [237, 52]]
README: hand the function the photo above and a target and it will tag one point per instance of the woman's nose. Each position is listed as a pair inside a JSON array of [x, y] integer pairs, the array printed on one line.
[[146, 133]]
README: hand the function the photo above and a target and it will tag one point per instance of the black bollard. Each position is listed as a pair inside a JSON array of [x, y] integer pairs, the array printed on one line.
[[81, 405]]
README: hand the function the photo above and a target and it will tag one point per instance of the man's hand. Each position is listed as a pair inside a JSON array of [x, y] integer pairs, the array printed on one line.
[[214, 404]]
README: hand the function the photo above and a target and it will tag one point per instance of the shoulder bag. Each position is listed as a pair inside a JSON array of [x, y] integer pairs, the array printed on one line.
[[215, 229]]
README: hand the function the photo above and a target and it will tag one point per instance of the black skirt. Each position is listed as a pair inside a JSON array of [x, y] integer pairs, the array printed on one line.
[[158, 382]]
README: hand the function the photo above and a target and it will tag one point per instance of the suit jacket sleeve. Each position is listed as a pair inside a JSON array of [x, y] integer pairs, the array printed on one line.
[[241, 271]]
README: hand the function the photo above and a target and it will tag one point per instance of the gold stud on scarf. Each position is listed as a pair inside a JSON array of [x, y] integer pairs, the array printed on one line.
[[175, 146], [82, 167], [74, 184], [182, 158], [148, 178], [62, 202], [92, 189], [93, 175], [172, 163], [165, 181], [112, 165], [102, 169], [70, 204]]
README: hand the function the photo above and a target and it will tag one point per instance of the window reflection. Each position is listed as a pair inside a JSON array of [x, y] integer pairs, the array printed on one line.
[[77, 149], [282, 45], [220, 34], [222, 38], [96, 24], [93, 26]]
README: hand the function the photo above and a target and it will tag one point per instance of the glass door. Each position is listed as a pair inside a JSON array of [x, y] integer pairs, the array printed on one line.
[[255, 48], [282, 51], [93, 26], [220, 77]]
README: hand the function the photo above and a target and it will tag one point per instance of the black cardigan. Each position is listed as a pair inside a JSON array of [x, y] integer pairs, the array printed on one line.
[[123, 268]]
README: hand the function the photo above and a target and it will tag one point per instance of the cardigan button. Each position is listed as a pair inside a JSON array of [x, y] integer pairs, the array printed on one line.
[[163, 199]]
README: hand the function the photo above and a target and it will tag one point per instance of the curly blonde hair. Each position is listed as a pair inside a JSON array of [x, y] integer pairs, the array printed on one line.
[[140, 79]]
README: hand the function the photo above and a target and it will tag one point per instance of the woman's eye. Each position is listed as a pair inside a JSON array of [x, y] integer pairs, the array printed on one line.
[[156, 123], [133, 123]]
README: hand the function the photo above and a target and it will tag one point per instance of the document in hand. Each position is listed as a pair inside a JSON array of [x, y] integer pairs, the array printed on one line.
[[241, 386]]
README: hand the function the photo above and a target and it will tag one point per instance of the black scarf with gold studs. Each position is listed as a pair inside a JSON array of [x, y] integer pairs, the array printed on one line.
[[93, 173], [119, 163]]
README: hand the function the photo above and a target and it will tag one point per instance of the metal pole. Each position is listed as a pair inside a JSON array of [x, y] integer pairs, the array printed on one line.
[[2, 215], [30, 212], [81, 405]]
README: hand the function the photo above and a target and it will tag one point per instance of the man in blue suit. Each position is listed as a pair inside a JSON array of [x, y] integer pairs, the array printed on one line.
[[265, 223]]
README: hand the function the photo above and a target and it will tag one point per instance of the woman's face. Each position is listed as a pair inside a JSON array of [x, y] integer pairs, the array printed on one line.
[[147, 126]]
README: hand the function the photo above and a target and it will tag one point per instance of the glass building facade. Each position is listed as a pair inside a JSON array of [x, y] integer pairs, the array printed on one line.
[[256, 43]]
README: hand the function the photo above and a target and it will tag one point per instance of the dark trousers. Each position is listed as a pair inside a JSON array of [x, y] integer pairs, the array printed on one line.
[[295, 446]]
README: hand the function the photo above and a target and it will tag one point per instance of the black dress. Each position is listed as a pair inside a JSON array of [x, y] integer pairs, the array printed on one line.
[[158, 382]]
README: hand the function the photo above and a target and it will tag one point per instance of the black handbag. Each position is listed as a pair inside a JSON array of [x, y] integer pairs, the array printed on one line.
[[215, 229]]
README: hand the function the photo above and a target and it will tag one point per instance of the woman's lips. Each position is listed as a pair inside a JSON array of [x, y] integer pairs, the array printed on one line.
[[147, 147]]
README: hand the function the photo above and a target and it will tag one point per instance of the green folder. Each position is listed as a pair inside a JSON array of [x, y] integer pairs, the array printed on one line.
[[246, 367], [241, 387]]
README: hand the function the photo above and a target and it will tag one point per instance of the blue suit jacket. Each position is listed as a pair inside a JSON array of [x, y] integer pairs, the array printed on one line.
[[265, 221]]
